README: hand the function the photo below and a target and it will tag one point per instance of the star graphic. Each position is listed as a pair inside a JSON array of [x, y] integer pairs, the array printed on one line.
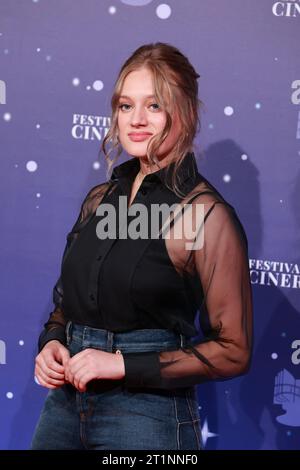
[[206, 433]]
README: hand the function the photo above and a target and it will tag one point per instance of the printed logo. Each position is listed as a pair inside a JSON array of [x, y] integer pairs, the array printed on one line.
[[287, 394]]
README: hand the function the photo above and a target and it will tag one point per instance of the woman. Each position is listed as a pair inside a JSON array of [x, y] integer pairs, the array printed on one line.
[[138, 296]]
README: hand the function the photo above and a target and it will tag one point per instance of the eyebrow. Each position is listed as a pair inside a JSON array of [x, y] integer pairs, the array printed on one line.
[[129, 98]]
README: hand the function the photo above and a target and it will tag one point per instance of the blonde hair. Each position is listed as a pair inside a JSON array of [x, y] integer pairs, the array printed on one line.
[[176, 89]]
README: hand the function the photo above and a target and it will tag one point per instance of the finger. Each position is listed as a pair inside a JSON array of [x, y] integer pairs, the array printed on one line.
[[48, 371], [46, 379], [64, 356], [54, 365], [44, 384], [46, 361], [69, 378], [53, 375], [80, 380], [68, 375]]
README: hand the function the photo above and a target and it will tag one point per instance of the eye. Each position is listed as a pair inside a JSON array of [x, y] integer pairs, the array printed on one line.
[[155, 106], [121, 106]]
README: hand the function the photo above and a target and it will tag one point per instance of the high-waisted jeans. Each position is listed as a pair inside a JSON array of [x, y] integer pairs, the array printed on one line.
[[110, 416]]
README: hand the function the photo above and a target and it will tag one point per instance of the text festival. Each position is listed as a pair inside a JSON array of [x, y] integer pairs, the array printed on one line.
[[274, 273], [88, 127]]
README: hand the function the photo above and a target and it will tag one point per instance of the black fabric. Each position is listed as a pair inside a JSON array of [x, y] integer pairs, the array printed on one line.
[[142, 369], [124, 284]]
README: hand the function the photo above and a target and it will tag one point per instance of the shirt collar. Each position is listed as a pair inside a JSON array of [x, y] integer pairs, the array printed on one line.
[[126, 172]]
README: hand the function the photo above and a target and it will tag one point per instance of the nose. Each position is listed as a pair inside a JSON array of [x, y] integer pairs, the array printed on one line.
[[138, 117]]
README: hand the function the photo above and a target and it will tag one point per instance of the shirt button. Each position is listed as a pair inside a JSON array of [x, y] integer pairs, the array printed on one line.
[[92, 297], [99, 257]]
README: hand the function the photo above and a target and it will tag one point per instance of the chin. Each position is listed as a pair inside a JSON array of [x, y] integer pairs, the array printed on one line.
[[135, 149]]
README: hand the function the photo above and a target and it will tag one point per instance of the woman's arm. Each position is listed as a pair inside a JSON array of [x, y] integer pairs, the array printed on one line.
[[53, 357], [226, 314], [54, 328]]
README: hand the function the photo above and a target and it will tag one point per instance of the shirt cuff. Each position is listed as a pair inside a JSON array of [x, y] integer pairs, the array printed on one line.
[[57, 333], [142, 369]]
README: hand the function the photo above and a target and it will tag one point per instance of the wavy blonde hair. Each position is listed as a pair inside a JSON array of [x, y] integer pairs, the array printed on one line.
[[176, 89]]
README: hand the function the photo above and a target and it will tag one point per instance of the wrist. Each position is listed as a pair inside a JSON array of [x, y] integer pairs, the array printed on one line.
[[120, 364]]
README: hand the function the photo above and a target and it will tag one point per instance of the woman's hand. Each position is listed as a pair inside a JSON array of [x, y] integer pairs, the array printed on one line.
[[50, 364], [93, 364]]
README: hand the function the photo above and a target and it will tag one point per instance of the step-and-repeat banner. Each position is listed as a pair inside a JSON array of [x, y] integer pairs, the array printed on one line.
[[58, 63]]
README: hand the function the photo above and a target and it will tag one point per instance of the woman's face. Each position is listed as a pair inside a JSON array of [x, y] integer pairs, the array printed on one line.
[[140, 117]]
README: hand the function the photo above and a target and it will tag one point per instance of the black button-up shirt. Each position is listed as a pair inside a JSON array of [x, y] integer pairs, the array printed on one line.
[[121, 283]]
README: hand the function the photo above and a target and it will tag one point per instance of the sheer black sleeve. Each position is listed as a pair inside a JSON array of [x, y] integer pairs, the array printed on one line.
[[54, 328], [225, 313]]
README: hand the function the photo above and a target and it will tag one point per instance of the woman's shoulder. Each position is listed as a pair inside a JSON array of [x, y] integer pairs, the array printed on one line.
[[93, 198], [216, 209], [204, 192], [96, 191]]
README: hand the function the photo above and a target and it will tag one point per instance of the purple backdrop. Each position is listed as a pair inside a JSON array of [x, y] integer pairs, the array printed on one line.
[[58, 63]]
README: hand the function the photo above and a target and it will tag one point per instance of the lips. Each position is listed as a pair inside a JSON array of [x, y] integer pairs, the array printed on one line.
[[139, 136]]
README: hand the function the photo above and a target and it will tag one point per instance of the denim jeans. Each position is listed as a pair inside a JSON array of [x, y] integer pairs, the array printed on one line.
[[110, 416]]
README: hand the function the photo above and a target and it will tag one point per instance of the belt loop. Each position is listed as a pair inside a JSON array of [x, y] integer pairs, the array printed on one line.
[[68, 331], [110, 340]]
